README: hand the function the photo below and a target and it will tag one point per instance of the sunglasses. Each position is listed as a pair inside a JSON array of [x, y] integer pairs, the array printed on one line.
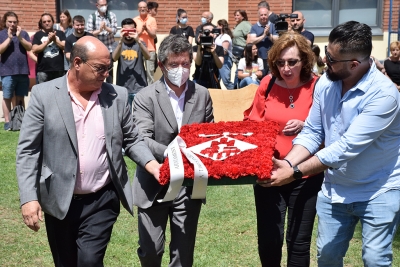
[[332, 61], [290, 62], [100, 70]]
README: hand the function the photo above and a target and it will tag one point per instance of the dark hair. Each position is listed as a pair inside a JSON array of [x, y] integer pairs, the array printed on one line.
[[248, 55], [225, 27], [353, 38], [128, 21], [174, 44], [290, 39], [4, 19], [316, 51], [179, 12], [46, 14], [263, 4], [78, 18], [207, 24], [151, 5], [242, 13], [79, 50], [66, 13]]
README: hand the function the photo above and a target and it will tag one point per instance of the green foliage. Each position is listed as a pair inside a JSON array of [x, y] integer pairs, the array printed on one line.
[[226, 233]]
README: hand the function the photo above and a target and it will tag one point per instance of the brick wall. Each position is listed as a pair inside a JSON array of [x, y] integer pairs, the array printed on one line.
[[283, 6], [395, 14], [28, 11], [166, 17]]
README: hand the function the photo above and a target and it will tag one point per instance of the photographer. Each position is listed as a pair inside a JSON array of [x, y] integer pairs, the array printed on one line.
[[129, 51], [263, 34], [208, 59]]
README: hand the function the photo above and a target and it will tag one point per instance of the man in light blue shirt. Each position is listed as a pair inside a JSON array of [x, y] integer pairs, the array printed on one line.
[[355, 115]]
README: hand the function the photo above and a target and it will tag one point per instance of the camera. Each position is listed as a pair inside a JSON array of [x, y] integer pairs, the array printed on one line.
[[281, 25], [206, 39]]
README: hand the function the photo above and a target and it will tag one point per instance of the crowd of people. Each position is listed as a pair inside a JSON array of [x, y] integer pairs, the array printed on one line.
[[337, 153]]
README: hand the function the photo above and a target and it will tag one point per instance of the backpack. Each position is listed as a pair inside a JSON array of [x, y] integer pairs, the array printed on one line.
[[16, 116]]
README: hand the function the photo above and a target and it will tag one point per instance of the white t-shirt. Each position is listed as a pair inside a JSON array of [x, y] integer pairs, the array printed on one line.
[[255, 66], [223, 38]]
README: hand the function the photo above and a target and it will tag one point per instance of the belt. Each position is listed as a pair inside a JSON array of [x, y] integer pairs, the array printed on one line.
[[101, 190]]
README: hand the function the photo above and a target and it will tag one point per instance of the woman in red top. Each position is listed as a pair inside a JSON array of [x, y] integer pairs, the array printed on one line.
[[288, 102]]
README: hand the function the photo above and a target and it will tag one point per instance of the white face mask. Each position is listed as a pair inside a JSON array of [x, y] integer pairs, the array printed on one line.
[[103, 9], [203, 20], [178, 76]]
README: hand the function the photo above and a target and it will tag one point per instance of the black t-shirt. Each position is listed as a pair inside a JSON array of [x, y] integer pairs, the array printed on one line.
[[72, 39], [308, 36], [205, 72], [52, 57], [393, 70], [185, 32]]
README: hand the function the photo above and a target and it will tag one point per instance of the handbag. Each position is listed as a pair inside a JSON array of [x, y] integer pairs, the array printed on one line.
[[238, 51]]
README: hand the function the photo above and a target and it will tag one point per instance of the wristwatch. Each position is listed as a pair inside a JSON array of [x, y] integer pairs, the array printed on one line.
[[297, 174]]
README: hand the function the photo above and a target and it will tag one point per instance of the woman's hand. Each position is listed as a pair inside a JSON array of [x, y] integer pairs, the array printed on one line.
[[259, 74], [293, 127]]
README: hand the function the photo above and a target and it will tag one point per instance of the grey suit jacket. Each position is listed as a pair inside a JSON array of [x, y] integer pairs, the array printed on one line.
[[156, 121], [47, 152]]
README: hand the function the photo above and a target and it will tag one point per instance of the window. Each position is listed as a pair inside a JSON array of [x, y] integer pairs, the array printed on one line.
[[122, 9], [323, 15]]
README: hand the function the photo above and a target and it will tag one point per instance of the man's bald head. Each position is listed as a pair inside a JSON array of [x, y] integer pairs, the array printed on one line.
[[299, 14], [297, 23], [208, 15], [86, 47]]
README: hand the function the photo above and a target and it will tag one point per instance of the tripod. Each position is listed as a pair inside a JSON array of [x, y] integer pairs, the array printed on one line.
[[207, 61]]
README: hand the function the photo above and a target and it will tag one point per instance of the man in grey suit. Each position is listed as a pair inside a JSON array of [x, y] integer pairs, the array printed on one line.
[[159, 111], [69, 157]]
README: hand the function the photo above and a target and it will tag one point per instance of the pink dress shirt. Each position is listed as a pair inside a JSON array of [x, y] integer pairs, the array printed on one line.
[[93, 171]]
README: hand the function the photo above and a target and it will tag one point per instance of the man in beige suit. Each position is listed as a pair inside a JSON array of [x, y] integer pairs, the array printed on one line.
[[69, 157], [159, 111]]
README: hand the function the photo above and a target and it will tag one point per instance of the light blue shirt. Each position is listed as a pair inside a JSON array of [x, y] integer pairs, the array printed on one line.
[[361, 132]]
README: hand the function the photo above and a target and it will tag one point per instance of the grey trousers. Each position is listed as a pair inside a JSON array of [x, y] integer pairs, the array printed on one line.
[[183, 214]]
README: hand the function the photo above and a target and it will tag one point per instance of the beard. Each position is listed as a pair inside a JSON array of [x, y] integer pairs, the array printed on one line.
[[337, 76], [298, 28]]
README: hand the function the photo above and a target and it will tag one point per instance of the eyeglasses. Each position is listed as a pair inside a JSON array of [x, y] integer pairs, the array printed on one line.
[[100, 70], [332, 61], [290, 63]]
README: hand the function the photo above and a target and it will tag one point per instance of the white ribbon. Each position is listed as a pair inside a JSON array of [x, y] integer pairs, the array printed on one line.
[[200, 171], [177, 172]]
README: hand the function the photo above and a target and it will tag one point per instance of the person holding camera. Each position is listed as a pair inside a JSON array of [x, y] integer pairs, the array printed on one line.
[[129, 53], [209, 58], [263, 34], [297, 24]]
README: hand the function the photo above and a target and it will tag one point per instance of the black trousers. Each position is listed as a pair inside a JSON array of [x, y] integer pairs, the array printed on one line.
[[299, 200], [81, 238]]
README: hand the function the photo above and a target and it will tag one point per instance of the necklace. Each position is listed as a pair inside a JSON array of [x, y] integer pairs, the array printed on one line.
[[291, 105]]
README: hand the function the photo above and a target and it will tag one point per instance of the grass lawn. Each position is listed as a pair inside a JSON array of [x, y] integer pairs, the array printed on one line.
[[226, 234]]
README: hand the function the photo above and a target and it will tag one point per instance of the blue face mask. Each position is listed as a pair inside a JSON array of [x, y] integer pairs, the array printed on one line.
[[183, 21], [203, 20]]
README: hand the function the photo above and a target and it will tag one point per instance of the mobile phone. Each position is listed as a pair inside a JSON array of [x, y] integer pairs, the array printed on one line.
[[128, 31]]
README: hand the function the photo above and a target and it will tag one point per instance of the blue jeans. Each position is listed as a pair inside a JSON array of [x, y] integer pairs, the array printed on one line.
[[225, 72], [336, 223], [246, 81]]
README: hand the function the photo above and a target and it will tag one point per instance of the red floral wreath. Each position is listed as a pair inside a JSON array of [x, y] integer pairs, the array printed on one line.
[[253, 162]]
